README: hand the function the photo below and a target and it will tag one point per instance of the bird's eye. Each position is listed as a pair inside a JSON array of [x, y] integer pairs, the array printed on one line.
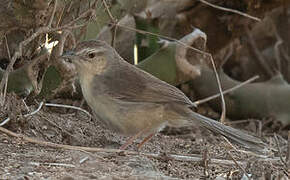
[[91, 55]]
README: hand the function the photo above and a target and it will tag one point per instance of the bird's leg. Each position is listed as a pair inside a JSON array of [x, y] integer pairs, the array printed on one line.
[[147, 138], [130, 141]]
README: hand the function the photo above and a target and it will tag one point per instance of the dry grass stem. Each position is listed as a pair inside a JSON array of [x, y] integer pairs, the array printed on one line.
[[226, 91], [114, 21], [231, 10]]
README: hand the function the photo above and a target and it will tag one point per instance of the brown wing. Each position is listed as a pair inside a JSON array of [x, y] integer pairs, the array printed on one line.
[[129, 83]]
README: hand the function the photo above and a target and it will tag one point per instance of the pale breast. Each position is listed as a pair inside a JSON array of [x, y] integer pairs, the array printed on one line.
[[102, 105]]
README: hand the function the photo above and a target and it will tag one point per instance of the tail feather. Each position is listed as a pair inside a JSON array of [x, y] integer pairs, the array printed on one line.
[[245, 140]]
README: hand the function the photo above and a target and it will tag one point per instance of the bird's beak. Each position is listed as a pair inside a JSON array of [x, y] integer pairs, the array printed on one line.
[[68, 56]]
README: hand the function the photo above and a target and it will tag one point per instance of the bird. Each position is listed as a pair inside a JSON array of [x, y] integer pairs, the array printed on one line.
[[134, 103]]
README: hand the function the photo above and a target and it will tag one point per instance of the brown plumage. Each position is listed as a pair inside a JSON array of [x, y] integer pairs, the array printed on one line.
[[133, 102]]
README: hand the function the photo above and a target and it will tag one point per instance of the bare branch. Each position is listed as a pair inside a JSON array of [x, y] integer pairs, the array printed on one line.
[[26, 115], [68, 106], [109, 12], [226, 91], [53, 13], [288, 151], [235, 161], [279, 151], [223, 115], [277, 46], [16, 55], [114, 21], [42, 30], [231, 10], [164, 37]]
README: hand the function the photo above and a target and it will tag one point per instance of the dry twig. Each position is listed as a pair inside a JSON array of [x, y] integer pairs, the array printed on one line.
[[198, 102], [9, 56], [162, 36], [52, 164], [232, 157], [55, 125], [205, 162], [53, 13], [277, 46], [42, 30], [223, 115], [279, 151], [288, 151], [5, 121], [114, 22], [68, 106], [231, 10]]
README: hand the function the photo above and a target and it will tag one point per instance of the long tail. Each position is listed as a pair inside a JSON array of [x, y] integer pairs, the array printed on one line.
[[245, 140]]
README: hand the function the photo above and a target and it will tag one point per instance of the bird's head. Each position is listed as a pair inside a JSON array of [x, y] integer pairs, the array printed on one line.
[[92, 56]]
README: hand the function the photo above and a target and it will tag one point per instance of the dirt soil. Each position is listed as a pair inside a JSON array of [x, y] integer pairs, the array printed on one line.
[[199, 153]]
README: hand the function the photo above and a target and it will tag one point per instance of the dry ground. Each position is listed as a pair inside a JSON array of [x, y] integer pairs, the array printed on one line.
[[23, 160]]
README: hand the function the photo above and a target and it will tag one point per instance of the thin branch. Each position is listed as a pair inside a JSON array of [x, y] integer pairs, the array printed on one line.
[[113, 42], [288, 151], [42, 30], [114, 21], [52, 164], [53, 13], [223, 115], [17, 54], [7, 47], [9, 56], [232, 157], [60, 16], [83, 15], [279, 151], [56, 125], [205, 162], [36, 111], [83, 160], [5, 121], [277, 46], [27, 108], [237, 164], [231, 10], [226, 91], [108, 11], [164, 37], [68, 106]]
